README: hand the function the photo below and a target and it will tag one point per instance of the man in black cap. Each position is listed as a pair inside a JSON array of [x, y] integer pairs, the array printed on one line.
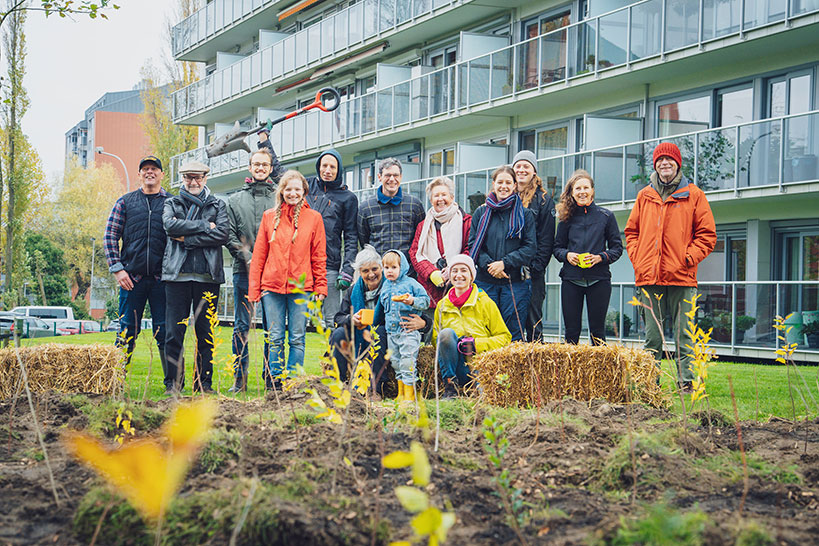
[[136, 219]]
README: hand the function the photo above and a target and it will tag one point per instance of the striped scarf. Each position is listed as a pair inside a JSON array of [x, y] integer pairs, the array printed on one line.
[[515, 220]]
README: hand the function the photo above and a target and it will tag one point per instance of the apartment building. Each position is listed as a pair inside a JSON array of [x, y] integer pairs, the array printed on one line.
[[457, 87], [112, 122]]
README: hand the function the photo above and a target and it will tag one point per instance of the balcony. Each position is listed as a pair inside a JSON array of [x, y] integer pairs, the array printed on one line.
[[217, 18], [617, 43], [348, 30]]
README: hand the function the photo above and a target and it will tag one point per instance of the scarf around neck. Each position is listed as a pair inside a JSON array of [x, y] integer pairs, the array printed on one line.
[[459, 301], [516, 219], [452, 234], [194, 202], [394, 200]]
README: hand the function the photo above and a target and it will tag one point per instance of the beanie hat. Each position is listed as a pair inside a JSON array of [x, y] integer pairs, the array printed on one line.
[[463, 259], [668, 149], [525, 155]]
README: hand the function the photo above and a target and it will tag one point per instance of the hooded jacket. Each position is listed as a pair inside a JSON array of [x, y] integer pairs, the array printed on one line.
[[479, 317], [198, 235], [666, 240], [277, 265], [589, 229], [404, 284], [245, 209], [338, 207]]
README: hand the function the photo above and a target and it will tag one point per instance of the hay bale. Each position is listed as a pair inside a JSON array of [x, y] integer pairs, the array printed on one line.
[[510, 376], [64, 368]]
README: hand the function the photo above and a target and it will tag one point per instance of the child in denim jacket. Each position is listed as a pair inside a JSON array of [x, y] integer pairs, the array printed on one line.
[[401, 296]]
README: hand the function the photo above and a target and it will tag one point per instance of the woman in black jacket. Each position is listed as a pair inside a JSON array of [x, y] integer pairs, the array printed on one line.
[[502, 241], [587, 241]]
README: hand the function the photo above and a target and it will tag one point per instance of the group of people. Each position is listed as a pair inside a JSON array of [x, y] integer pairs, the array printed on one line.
[[468, 284]]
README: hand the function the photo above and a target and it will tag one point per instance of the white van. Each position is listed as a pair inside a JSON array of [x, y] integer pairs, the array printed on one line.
[[45, 312]]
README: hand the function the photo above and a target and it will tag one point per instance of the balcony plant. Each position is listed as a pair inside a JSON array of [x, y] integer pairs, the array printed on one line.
[[721, 323], [811, 333], [613, 324]]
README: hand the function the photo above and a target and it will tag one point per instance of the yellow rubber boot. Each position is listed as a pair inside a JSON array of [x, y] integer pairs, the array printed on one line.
[[409, 393], [400, 396]]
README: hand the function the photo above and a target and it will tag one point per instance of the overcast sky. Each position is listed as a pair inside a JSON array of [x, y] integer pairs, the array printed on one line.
[[72, 63]]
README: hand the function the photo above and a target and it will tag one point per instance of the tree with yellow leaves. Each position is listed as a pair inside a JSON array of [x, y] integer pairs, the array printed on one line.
[[79, 211]]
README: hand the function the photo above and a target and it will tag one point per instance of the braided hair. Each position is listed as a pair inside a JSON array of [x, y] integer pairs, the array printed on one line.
[[285, 180], [566, 206]]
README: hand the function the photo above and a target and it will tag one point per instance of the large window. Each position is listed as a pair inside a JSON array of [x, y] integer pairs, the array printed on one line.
[[545, 143], [735, 106], [684, 116], [547, 58], [441, 162], [799, 257]]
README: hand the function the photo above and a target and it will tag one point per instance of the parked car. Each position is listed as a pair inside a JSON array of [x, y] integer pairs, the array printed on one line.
[[45, 312], [35, 327], [113, 326], [67, 327], [6, 322], [90, 327]]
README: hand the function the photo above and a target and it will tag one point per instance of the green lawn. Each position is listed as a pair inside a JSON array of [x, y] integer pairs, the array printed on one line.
[[771, 381]]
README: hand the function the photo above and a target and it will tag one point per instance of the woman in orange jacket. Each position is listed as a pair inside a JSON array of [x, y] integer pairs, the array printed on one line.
[[290, 246]]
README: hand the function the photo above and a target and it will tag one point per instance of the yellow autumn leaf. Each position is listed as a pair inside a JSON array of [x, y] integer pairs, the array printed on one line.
[[397, 459], [142, 471], [400, 543], [421, 469], [447, 521], [189, 424], [427, 522], [412, 499]]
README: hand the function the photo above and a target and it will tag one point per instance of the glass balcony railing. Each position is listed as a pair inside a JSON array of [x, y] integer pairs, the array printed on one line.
[[741, 313], [210, 20], [348, 28], [773, 152]]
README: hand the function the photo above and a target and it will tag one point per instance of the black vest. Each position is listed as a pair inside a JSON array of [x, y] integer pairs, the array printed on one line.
[[143, 239]]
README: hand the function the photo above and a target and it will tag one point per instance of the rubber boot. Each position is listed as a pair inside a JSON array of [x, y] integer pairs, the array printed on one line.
[[409, 393], [400, 395]]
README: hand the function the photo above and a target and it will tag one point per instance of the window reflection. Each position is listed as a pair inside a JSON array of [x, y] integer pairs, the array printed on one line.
[[684, 116]]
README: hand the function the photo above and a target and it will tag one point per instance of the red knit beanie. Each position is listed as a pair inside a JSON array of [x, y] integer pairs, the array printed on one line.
[[667, 149]]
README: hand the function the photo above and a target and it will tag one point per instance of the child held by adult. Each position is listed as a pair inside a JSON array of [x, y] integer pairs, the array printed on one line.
[[401, 295]]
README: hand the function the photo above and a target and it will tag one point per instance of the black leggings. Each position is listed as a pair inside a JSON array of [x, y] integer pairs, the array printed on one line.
[[597, 303]]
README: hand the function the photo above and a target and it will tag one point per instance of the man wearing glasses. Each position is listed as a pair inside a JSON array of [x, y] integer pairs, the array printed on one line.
[[388, 220], [136, 220], [245, 209], [669, 232], [197, 226], [338, 207]]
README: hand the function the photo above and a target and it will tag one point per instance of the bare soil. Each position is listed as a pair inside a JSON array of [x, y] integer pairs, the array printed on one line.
[[574, 469]]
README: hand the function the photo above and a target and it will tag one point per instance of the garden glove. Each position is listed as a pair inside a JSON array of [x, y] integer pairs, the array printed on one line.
[[342, 284], [437, 278], [466, 345]]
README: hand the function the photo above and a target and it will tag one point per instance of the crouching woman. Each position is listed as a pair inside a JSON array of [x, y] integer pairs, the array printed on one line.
[[467, 322]]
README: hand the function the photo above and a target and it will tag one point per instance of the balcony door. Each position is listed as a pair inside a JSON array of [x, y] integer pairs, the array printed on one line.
[[800, 262], [443, 81], [544, 61]]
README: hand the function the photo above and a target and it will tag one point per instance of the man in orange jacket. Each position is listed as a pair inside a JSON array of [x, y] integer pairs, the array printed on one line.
[[669, 232]]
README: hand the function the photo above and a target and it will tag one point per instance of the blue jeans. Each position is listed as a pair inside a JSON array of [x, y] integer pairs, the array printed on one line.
[[512, 301], [132, 305], [241, 325], [279, 308], [451, 362], [404, 347]]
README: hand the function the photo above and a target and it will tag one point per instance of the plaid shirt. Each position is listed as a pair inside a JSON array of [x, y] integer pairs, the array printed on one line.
[[387, 226], [113, 233]]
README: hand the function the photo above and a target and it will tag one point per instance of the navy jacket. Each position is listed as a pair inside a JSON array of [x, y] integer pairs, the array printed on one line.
[[515, 253], [338, 207], [543, 208], [590, 229]]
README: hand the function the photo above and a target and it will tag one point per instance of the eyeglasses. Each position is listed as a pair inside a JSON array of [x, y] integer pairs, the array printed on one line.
[[258, 165], [389, 175], [193, 177]]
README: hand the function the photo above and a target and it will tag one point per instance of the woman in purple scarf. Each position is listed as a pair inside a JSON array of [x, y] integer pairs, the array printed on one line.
[[502, 240]]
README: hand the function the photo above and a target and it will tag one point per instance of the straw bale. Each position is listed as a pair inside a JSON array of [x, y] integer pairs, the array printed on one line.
[[65, 368], [512, 375]]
